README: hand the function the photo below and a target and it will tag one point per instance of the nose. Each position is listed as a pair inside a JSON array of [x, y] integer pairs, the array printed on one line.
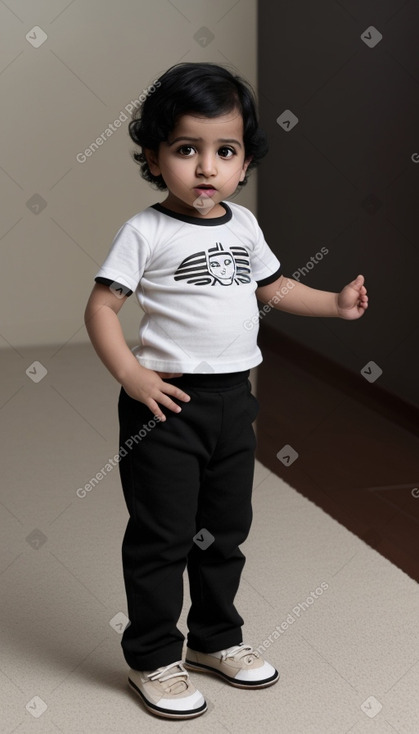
[[206, 165]]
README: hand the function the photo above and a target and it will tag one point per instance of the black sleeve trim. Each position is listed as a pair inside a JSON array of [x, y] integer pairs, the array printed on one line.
[[270, 279], [122, 289]]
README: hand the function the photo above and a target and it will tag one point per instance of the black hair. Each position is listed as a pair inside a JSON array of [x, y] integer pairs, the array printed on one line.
[[194, 88]]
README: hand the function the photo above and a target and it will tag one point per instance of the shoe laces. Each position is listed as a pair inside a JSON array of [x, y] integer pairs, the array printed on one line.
[[162, 675], [238, 652]]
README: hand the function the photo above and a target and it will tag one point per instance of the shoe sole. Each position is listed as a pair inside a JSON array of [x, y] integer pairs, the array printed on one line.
[[167, 713], [201, 668]]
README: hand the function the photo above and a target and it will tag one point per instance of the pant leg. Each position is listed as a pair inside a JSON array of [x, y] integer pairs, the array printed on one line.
[[161, 477], [160, 480], [225, 511]]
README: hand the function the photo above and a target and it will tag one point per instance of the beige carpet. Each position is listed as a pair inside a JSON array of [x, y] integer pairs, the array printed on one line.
[[340, 622]]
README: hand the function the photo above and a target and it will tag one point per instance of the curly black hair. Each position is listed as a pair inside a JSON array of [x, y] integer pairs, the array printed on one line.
[[194, 88]]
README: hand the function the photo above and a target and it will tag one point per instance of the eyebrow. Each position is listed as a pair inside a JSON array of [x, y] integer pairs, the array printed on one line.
[[198, 140]]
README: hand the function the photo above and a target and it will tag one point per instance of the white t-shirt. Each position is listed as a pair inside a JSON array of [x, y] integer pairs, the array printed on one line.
[[195, 280]]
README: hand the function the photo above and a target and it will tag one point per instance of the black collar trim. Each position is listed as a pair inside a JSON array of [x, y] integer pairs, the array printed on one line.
[[201, 222]]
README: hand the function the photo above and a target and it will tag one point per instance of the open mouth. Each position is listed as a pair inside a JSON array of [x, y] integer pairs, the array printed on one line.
[[205, 190]]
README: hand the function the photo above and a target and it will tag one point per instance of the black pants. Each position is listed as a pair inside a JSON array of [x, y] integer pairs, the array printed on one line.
[[191, 473]]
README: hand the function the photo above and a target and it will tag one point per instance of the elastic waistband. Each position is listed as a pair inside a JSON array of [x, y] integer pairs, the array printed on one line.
[[210, 380]]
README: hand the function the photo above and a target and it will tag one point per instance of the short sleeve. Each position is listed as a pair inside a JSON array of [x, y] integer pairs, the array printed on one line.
[[119, 288], [126, 260], [266, 268]]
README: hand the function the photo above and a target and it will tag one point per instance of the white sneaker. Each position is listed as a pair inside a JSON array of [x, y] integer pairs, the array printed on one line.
[[168, 691], [240, 665]]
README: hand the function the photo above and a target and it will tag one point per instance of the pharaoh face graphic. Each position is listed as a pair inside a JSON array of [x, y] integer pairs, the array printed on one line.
[[217, 266], [222, 266]]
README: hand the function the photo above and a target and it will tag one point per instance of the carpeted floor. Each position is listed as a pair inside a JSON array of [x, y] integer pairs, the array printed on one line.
[[338, 620]]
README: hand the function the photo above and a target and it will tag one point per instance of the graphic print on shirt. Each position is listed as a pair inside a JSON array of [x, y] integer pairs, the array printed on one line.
[[216, 266]]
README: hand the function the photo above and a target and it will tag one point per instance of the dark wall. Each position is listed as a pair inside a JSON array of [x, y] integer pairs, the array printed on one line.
[[346, 176]]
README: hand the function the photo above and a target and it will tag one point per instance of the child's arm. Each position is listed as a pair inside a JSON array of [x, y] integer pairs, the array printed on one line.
[[289, 295], [106, 335]]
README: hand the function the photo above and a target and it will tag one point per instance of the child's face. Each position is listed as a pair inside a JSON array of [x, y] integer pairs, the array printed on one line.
[[201, 152]]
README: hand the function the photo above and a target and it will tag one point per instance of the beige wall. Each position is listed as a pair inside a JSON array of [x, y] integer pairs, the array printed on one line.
[[56, 100]]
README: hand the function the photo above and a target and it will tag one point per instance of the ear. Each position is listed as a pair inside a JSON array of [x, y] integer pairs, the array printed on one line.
[[152, 161], [245, 167]]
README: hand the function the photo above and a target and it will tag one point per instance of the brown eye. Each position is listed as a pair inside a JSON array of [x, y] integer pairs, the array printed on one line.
[[186, 150], [226, 152]]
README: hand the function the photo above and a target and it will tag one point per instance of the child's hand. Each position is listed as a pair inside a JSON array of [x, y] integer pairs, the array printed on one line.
[[353, 299], [148, 387]]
